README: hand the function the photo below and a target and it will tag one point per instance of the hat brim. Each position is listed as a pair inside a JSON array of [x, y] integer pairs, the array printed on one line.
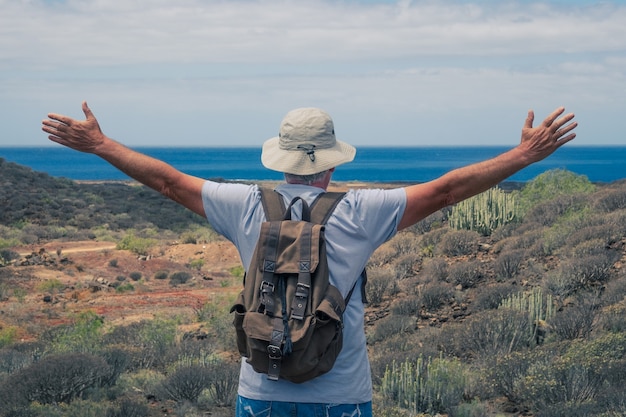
[[299, 163]]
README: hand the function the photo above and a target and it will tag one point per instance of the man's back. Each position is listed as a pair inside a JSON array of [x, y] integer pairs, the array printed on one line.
[[362, 221]]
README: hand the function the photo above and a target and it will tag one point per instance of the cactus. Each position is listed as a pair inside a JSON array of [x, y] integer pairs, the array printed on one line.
[[485, 212], [425, 386], [539, 311]]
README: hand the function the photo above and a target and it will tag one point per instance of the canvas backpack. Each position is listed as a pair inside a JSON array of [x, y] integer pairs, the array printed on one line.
[[289, 318]]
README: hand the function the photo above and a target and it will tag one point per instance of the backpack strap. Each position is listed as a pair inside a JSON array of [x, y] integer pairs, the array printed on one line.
[[273, 204], [324, 205]]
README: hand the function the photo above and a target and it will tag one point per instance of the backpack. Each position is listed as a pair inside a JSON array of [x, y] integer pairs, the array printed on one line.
[[289, 318]]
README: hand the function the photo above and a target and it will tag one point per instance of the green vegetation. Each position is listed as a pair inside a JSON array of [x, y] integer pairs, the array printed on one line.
[[485, 212], [516, 295]]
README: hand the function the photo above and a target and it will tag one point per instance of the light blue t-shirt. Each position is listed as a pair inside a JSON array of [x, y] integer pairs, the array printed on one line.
[[361, 222]]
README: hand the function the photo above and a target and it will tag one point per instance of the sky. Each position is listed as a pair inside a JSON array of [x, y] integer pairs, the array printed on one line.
[[390, 73]]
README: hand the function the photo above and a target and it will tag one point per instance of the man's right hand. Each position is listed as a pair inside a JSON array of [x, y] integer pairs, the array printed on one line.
[[81, 135]]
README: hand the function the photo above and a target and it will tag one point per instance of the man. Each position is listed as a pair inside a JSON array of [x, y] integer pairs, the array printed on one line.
[[307, 152]]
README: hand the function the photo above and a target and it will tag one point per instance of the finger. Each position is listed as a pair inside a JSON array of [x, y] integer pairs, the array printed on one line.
[[87, 111], [563, 130], [553, 116], [59, 118], [563, 120], [565, 139], [529, 119]]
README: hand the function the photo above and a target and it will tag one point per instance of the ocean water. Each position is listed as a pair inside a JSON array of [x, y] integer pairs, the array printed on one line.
[[399, 164]]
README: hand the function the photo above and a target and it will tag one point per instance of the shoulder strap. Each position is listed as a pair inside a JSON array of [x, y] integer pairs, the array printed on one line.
[[324, 205], [273, 204], [321, 209]]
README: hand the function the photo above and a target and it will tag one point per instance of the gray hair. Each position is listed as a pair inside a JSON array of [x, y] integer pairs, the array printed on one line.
[[305, 179]]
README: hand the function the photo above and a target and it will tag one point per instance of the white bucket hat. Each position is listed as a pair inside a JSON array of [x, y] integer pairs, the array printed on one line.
[[306, 144]]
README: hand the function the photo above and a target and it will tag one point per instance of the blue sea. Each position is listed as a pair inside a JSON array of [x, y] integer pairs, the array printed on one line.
[[396, 164]]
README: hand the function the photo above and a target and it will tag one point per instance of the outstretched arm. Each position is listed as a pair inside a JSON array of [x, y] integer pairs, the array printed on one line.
[[86, 136], [536, 144]]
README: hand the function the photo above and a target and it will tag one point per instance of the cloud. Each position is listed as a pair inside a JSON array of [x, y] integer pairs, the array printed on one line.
[[247, 59]]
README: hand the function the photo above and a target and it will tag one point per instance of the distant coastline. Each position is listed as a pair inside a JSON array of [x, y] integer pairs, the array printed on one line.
[[400, 165]]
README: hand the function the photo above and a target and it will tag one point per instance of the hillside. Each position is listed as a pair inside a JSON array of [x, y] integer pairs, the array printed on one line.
[[528, 319]]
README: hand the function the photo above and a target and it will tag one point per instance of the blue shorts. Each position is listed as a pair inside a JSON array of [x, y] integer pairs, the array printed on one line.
[[259, 408]]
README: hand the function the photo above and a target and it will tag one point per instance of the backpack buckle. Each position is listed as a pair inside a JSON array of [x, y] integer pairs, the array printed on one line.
[[274, 352], [301, 296], [267, 297]]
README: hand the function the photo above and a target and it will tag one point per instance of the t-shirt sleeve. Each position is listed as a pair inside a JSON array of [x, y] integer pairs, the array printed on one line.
[[229, 206]]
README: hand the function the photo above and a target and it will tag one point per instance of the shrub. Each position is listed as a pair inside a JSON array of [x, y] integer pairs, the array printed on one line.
[[426, 385], [490, 333], [490, 298], [508, 263], [128, 408], [224, 382], [8, 335], [7, 255], [84, 335], [614, 319], [585, 271], [137, 245], [378, 280], [391, 325], [405, 243], [406, 265], [406, 306], [611, 200], [459, 243], [485, 212], [435, 269], [162, 274], [54, 379], [135, 276], [576, 321], [180, 277], [187, 383], [433, 296], [465, 274], [551, 184], [196, 264]]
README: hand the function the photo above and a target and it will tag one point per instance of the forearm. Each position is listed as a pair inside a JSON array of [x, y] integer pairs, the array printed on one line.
[[462, 183], [149, 171]]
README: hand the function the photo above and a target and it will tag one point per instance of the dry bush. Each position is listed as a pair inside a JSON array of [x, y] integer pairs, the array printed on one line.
[[431, 222], [508, 263], [406, 306], [407, 265], [384, 255], [610, 200], [524, 240], [575, 321], [459, 243], [434, 269], [434, 295], [490, 297], [613, 319], [54, 379], [128, 408], [465, 274], [489, 333], [186, 383], [432, 239], [548, 212], [405, 243], [378, 280], [590, 269], [590, 247], [391, 325], [604, 233], [615, 290]]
